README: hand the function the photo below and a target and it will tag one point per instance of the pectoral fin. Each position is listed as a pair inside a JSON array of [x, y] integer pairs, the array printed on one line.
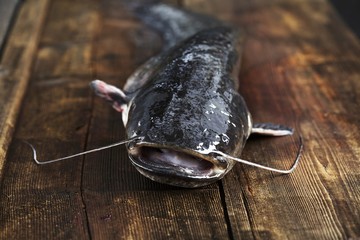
[[110, 93], [270, 129]]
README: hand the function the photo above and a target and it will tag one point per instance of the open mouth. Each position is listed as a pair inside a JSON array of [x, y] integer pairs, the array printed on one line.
[[176, 167]]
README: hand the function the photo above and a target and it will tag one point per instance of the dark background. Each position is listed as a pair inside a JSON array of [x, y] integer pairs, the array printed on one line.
[[349, 10]]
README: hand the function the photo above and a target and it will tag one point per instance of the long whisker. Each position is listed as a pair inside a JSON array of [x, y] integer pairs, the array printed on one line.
[[301, 146], [78, 154]]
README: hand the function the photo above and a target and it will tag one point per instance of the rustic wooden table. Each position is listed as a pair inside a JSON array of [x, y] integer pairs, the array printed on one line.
[[301, 68]]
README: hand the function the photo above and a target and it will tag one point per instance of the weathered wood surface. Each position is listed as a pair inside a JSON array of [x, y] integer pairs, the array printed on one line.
[[301, 67], [15, 66]]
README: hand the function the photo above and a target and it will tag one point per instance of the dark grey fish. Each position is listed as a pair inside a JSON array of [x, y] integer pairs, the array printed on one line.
[[182, 106]]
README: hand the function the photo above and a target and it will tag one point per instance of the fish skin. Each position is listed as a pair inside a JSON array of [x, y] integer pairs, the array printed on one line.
[[174, 25]]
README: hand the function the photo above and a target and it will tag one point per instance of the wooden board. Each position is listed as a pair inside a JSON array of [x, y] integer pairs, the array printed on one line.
[[15, 66], [300, 68]]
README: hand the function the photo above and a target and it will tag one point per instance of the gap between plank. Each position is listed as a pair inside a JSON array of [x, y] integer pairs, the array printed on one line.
[[226, 213], [247, 209], [82, 169], [90, 120]]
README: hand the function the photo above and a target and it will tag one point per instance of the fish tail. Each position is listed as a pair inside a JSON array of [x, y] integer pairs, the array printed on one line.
[[173, 23]]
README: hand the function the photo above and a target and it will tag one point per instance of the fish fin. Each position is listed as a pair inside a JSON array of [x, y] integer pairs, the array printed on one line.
[[110, 93], [270, 129]]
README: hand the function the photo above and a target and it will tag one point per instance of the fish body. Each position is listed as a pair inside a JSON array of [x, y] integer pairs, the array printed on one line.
[[183, 105], [190, 106]]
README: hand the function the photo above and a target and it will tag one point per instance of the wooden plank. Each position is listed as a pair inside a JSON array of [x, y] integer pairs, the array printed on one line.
[[7, 12], [301, 67], [15, 68], [45, 202]]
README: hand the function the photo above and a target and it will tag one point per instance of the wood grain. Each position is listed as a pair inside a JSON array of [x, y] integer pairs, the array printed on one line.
[[15, 68], [46, 202], [300, 68]]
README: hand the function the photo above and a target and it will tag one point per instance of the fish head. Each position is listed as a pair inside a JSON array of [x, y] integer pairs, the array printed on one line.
[[184, 140]]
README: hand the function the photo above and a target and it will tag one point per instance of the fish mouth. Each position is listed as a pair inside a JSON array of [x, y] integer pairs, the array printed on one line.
[[177, 167]]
